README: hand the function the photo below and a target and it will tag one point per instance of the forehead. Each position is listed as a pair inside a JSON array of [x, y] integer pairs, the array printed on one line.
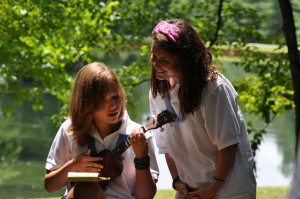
[[159, 52], [113, 86]]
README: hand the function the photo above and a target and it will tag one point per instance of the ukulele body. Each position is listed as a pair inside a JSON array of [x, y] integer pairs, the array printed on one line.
[[112, 160], [112, 167]]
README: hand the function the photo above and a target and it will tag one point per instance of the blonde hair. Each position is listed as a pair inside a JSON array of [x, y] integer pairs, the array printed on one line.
[[92, 84]]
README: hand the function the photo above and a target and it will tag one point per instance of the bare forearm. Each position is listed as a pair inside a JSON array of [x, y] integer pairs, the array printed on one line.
[[145, 186], [55, 180], [171, 166], [225, 161]]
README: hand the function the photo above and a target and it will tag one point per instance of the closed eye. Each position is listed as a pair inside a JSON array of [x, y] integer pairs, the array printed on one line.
[[116, 96], [165, 60]]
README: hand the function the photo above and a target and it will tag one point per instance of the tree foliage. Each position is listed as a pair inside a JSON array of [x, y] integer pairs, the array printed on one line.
[[44, 42]]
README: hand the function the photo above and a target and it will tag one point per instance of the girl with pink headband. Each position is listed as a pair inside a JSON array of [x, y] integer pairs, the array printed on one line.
[[207, 148]]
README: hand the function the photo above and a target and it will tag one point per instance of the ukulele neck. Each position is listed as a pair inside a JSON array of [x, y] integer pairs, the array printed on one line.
[[153, 123], [116, 152]]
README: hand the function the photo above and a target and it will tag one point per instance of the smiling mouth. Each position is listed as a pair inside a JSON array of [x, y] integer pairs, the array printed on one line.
[[160, 71], [113, 114]]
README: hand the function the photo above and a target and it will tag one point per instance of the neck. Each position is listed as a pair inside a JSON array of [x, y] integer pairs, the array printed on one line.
[[173, 82], [105, 130]]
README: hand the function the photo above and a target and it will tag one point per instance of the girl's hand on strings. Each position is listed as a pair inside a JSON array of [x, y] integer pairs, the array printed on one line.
[[85, 163]]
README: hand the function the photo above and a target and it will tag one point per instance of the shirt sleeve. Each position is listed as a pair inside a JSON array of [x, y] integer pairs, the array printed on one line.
[[60, 151], [219, 109]]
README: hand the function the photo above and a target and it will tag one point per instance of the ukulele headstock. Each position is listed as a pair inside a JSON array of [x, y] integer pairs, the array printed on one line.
[[159, 120]]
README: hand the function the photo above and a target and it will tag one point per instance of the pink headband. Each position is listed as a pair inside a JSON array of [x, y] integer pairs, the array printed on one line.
[[170, 30]]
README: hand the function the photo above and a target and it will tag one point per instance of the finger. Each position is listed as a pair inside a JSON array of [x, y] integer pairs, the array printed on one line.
[[133, 139], [87, 152], [84, 154], [191, 194], [95, 159], [185, 192], [96, 165], [140, 131], [141, 138], [91, 159], [134, 131], [93, 169]]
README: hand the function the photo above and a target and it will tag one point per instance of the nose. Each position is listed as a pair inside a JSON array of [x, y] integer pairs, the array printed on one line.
[[155, 64], [113, 104], [153, 60]]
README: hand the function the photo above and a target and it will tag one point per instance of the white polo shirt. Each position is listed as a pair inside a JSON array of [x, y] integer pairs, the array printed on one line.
[[64, 149], [193, 143]]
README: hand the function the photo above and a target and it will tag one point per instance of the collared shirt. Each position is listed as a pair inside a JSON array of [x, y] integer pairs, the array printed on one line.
[[64, 149], [194, 142]]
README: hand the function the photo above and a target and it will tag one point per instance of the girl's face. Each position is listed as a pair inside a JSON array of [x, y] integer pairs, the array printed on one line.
[[109, 113], [166, 65]]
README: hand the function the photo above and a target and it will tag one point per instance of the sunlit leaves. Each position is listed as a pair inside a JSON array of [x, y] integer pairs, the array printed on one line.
[[39, 39], [43, 43]]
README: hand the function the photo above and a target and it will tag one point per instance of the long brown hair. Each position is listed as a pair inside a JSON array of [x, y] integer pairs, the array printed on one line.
[[196, 67], [92, 84]]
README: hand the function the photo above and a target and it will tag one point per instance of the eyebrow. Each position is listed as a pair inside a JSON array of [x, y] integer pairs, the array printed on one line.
[[162, 57]]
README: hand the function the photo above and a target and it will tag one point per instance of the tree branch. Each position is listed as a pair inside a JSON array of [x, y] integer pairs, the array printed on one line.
[[289, 30], [219, 24], [139, 83]]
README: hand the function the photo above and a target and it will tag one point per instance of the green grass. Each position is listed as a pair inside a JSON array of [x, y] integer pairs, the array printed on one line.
[[262, 193], [25, 180], [272, 192]]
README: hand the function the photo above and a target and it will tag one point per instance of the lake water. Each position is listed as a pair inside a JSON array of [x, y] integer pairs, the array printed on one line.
[[269, 162]]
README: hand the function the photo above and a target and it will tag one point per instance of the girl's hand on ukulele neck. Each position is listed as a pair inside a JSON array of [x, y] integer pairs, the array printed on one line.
[[139, 143]]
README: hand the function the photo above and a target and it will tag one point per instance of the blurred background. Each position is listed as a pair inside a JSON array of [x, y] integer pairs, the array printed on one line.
[[44, 43]]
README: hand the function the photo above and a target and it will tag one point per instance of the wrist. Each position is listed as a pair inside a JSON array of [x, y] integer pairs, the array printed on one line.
[[217, 183], [218, 179], [142, 163]]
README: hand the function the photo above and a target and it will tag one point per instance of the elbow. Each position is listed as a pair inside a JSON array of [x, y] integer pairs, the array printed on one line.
[[146, 194], [153, 192], [48, 187]]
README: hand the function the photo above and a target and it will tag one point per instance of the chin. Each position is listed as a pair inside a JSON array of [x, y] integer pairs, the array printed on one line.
[[159, 77]]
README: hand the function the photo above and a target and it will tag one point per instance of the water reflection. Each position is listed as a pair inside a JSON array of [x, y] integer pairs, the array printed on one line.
[[269, 161], [275, 158]]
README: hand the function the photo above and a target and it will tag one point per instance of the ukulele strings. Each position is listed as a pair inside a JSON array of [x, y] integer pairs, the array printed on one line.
[[118, 150], [126, 144]]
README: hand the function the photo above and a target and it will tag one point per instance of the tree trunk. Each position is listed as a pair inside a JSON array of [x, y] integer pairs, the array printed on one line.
[[289, 30]]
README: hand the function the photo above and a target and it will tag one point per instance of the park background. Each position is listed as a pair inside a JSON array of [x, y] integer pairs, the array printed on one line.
[[44, 44]]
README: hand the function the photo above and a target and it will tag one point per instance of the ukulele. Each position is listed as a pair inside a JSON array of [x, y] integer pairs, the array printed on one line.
[[112, 161]]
